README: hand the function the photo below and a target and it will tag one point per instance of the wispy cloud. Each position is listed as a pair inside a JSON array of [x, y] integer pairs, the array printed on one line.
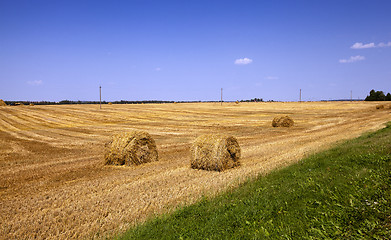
[[352, 59], [35, 82], [359, 45], [271, 78], [384, 44], [243, 61], [158, 69]]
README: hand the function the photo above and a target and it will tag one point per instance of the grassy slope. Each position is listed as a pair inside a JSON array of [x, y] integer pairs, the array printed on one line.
[[343, 193]]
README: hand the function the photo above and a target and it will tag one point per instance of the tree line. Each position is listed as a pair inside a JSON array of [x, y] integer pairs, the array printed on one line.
[[62, 102], [378, 96]]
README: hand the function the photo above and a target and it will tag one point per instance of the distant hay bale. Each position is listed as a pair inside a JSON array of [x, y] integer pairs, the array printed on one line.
[[2, 103], [381, 106], [282, 121], [31, 104], [131, 148], [215, 152], [237, 102], [110, 103]]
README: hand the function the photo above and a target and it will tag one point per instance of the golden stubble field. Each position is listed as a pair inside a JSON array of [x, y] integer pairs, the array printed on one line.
[[53, 183]]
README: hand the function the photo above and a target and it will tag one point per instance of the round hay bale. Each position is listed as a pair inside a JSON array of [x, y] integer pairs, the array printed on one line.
[[110, 103], [215, 152], [282, 121], [131, 148], [2, 103], [31, 104], [380, 106]]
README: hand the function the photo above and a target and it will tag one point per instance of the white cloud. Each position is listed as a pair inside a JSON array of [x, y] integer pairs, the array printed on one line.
[[384, 44], [352, 59], [271, 78], [35, 82], [243, 61], [359, 45], [158, 69]]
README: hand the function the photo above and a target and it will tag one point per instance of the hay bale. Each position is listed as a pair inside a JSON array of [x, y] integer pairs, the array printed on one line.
[[131, 148], [2, 103], [110, 103], [282, 121], [215, 152], [381, 106], [31, 104]]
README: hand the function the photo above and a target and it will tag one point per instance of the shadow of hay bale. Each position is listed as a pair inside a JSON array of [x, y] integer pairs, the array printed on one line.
[[215, 152], [282, 121], [131, 148]]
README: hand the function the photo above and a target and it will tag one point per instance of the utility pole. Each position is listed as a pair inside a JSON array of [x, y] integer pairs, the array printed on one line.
[[100, 97], [351, 95], [221, 96], [300, 95]]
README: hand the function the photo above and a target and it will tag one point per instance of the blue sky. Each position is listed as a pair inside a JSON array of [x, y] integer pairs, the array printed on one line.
[[188, 50]]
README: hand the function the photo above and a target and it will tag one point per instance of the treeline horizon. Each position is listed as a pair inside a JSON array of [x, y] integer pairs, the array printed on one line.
[[373, 96], [378, 96], [70, 102], [63, 102]]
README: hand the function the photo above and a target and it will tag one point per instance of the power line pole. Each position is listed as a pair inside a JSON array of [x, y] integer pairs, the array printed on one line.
[[351, 95], [300, 95], [100, 97], [221, 96]]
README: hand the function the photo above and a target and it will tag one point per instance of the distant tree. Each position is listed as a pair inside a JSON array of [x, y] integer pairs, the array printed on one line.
[[380, 95], [65, 102], [376, 96], [253, 100], [388, 97]]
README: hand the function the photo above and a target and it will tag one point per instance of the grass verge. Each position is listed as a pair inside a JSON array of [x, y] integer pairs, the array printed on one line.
[[342, 193]]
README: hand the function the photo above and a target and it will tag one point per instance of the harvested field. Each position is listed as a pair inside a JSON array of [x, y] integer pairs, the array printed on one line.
[[54, 184]]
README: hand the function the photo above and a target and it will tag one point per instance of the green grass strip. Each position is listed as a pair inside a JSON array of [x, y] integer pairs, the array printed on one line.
[[342, 193]]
